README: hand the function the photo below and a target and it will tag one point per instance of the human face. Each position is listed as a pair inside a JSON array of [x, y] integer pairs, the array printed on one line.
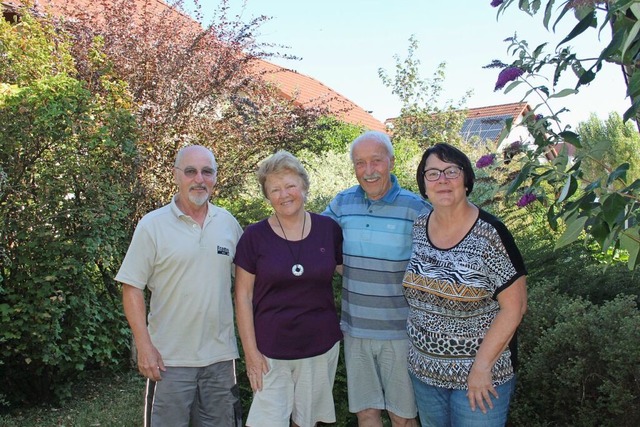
[[444, 191], [197, 189], [286, 193], [373, 164]]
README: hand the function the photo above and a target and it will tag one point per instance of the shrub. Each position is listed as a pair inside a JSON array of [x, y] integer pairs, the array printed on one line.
[[579, 362], [67, 160]]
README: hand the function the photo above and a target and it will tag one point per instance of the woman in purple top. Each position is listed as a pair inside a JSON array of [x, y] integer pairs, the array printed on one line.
[[284, 300]]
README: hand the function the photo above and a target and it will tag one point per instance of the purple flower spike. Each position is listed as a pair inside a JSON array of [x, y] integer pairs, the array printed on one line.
[[496, 3], [507, 75], [526, 199], [485, 161]]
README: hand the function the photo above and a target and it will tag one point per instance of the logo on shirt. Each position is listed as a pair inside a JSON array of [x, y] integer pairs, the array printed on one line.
[[223, 251]]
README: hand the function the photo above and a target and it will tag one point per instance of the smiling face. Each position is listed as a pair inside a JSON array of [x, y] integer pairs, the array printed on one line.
[[195, 190], [373, 163], [444, 192], [286, 192]]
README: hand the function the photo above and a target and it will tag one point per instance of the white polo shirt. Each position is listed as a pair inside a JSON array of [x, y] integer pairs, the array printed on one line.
[[188, 271]]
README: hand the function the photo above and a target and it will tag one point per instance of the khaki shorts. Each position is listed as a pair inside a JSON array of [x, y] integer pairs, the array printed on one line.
[[378, 376], [300, 390]]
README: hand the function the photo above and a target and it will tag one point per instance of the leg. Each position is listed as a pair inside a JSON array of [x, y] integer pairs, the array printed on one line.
[[172, 398], [433, 404], [272, 406], [397, 421], [364, 386], [399, 397], [463, 416], [313, 379], [217, 402], [369, 418]]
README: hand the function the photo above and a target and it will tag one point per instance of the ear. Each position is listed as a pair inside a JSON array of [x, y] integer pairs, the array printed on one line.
[[392, 162]]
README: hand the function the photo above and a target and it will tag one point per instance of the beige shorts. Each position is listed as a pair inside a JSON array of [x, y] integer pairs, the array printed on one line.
[[300, 390], [378, 376]]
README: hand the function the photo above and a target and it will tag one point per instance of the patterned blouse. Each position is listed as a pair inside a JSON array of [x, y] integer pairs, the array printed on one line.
[[452, 296]]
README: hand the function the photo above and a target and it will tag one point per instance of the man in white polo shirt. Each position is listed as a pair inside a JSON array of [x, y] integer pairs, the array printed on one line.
[[183, 253]]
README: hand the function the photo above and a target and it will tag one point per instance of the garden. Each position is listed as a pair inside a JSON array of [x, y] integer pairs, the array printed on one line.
[[91, 117]]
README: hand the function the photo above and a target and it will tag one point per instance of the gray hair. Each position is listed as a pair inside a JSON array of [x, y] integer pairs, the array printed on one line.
[[373, 135], [281, 161], [183, 150]]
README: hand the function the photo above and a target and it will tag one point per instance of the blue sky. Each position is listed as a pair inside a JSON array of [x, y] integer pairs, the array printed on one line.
[[343, 43]]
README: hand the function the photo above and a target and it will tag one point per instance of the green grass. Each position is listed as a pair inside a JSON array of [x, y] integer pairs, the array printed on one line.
[[107, 400], [115, 399]]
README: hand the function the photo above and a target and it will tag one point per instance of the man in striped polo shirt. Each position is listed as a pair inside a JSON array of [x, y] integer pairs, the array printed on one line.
[[376, 217]]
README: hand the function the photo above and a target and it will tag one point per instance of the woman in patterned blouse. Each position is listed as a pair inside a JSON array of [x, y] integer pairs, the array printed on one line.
[[466, 288]]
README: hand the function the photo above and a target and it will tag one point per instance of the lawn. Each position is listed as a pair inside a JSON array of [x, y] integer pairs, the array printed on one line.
[[113, 400]]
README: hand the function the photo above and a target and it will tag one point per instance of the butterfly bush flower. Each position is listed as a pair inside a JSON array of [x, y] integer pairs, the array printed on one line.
[[526, 199], [496, 3], [507, 75], [485, 161]]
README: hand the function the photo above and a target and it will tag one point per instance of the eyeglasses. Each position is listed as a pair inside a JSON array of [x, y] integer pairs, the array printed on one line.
[[191, 172], [452, 172]]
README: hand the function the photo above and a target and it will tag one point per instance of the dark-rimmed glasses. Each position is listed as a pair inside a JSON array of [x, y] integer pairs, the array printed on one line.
[[191, 172], [433, 174]]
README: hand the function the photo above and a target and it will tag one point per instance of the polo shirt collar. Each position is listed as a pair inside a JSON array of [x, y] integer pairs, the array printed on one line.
[[178, 213]]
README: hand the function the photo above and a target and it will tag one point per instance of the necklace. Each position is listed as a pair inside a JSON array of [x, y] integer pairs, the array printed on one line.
[[297, 268]]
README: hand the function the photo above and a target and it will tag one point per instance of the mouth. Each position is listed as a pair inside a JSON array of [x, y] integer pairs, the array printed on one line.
[[371, 179]]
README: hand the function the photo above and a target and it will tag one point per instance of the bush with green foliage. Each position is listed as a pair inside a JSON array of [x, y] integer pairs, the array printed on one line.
[[579, 362], [68, 164]]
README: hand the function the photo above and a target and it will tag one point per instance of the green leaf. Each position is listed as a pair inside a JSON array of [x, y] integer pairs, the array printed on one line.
[[563, 93], [619, 173], [631, 37], [632, 111], [634, 85], [548, 10], [586, 78], [573, 231], [599, 231], [585, 23], [515, 184], [512, 86], [630, 242], [613, 208], [571, 137], [570, 187], [635, 185]]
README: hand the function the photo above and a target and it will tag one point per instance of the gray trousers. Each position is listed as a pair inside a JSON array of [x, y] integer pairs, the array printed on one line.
[[196, 397]]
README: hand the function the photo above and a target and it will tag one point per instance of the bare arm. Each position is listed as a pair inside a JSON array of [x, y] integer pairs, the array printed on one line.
[[513, 305], [149, 359], [255, 362]]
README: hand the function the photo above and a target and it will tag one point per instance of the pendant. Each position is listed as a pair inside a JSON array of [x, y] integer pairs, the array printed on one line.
[[297, 270]]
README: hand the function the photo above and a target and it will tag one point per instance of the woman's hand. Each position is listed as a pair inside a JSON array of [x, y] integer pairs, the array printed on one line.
[[480, 389], [257, 366]]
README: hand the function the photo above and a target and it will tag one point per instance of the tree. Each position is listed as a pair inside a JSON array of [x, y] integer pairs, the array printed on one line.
[[422, 118], [191, 83], [616, 141], [604, 206], [67, 162]]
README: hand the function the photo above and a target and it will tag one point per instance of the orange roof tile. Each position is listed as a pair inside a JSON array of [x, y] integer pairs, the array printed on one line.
[[515, 110], [307, 91]]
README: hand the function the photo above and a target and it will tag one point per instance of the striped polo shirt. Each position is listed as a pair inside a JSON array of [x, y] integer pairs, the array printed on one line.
[[376, 250]]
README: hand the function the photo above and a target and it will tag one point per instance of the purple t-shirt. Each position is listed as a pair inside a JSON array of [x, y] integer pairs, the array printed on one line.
[[294, 316]]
